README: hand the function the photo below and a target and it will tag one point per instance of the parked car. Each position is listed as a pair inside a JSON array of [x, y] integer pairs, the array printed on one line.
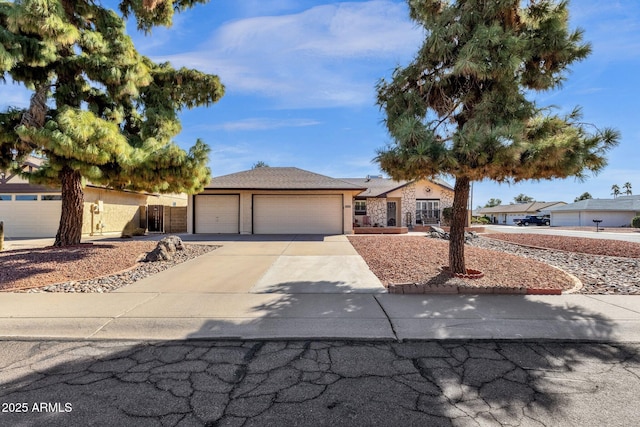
[[534, 219]]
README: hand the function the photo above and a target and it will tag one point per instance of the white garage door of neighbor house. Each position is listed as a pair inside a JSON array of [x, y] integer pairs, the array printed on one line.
[[217, 214], [300, 214], [565, 219], [25, 217]]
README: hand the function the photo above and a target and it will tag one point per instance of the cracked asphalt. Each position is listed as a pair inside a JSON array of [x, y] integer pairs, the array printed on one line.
[[318, 383]]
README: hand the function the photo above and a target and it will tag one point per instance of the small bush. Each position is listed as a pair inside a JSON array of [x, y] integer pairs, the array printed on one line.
[[635, 222]]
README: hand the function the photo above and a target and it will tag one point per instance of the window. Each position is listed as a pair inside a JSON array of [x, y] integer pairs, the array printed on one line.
[[49, 197], [360, 207], [5, 197], [427, 211], [26, 197]]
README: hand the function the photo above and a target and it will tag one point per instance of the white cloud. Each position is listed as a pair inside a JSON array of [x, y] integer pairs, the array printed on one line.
[[328, 55]]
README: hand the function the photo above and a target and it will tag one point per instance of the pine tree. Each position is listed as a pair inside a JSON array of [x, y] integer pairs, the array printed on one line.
[[100, 112], [460, 107], [584, 196]]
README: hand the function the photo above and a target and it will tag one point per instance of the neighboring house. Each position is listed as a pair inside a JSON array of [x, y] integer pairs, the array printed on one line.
[[509, 214], [288, 200], [616, 212], [33, 211], [389, 203]]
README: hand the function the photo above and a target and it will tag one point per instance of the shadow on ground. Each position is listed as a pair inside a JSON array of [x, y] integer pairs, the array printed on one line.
[[18, 264], [332, 383], [326, 383]]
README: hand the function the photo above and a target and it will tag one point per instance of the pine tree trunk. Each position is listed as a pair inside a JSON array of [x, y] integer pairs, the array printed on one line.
[[70, 229], [458, 223]]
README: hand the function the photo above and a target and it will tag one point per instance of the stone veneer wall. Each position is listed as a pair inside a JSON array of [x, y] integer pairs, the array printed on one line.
[[377, 211], [446, 199], [408, 204]]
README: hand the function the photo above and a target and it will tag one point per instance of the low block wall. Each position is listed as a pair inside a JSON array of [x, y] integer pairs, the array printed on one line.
[[380, 230], [426, 228], [413, 288]]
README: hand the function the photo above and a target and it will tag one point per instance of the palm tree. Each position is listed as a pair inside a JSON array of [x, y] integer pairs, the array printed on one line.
[[615, 190], [627, 188]]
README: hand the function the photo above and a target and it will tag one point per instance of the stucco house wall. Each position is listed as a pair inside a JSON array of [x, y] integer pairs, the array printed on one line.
[[118, 209]]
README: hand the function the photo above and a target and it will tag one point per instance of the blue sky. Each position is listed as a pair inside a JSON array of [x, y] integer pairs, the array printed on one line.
[[300, 80]]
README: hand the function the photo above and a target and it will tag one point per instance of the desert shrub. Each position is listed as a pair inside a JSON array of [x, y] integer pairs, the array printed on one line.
[[635, 222], [447, 214]]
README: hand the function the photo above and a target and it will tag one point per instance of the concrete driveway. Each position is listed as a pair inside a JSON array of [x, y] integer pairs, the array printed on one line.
[[281, 264]]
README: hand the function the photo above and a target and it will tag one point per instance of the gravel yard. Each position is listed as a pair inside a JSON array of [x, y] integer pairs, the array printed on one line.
[[614, 248], [106, 266], [599, 274], [399, 259], [419, 259], [98, 267]]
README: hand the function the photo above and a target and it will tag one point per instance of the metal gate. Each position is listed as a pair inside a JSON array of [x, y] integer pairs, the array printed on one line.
[[155, 219]]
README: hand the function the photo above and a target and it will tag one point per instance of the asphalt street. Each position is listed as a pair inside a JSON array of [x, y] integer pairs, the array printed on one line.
[[318, 383]]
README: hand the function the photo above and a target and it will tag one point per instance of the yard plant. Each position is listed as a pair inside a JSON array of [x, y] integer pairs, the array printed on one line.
[[461, 108], [100, 111]]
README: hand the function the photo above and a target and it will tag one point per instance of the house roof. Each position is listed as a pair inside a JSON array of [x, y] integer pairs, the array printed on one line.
[[26, 188], [533, 207], [378, 187], [622, 203], [279, 178]]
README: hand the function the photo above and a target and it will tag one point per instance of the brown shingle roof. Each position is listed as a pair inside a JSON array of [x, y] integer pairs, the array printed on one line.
[[279, 178], [375, 187], [379, 187]]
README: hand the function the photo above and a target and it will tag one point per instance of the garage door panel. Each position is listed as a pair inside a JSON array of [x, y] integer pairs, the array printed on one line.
[[217, 214], [300, 214], [32, 219], [565, 219]]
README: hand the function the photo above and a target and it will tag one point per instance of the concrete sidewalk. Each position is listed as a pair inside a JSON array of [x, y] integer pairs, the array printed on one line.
[[304, 287], [170, 316]]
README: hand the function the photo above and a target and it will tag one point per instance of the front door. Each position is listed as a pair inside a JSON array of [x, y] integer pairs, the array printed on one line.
[[391, 214]]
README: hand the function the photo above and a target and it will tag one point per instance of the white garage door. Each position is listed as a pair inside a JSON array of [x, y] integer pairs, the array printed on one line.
[[30, 215], [565, 219], [217, 214], [609, 218], [297, 214]]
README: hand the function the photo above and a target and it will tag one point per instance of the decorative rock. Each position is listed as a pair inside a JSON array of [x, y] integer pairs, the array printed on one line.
[[439, 233], [438, 230], [165, 249]]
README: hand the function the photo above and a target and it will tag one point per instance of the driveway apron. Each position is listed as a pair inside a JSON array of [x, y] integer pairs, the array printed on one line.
[[258, 287], [275, 264]]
